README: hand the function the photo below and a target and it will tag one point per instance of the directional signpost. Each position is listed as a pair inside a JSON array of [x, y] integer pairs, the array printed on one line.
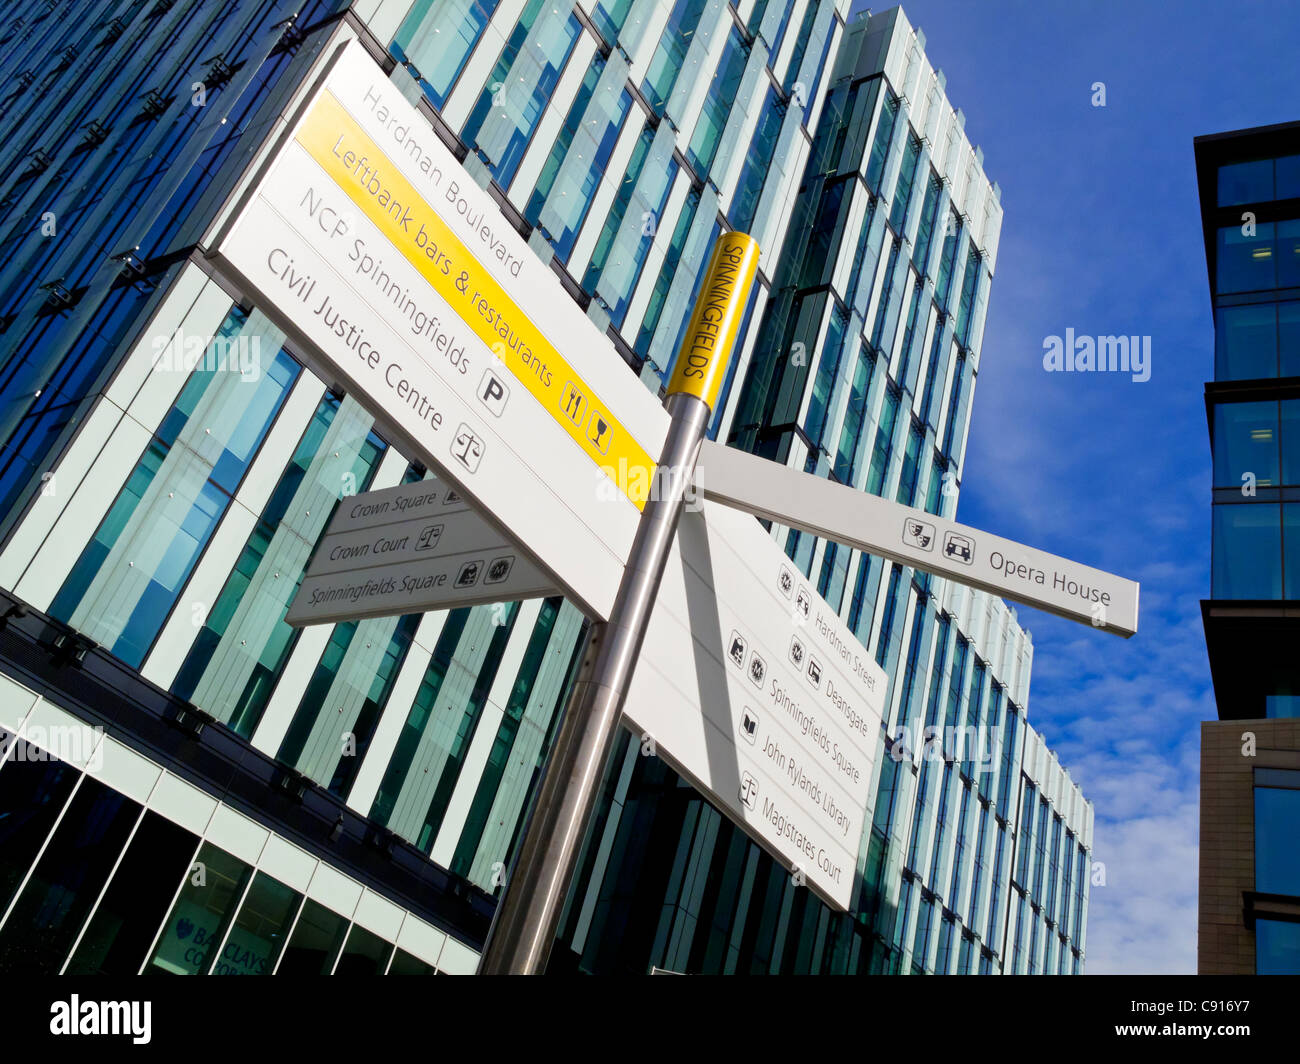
[[366, 240], [557, 472], [923, 540], [752, 687], [413, 548]]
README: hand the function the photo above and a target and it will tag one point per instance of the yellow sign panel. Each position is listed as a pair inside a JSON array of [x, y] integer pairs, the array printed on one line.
[[706, 347], [371, 180]]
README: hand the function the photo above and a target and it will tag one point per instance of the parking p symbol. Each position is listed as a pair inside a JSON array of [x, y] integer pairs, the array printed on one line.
[[493, 393]]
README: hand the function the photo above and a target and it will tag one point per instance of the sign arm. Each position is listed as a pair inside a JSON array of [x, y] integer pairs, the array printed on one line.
[[914, 537]]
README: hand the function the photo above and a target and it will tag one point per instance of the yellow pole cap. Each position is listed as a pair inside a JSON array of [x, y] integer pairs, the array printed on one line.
[[715, 321]]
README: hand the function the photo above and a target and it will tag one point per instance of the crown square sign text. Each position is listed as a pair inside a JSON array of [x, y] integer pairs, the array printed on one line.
[[367, 240]]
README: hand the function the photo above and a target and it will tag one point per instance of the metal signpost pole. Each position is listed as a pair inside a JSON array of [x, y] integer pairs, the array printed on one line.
[[528, 916]]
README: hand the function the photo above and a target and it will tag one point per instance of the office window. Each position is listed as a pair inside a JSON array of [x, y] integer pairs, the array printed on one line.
[[1245, 263], [1246, 341], [513, 101], [885, 644], [1288, 254], [1246, 441], [862, 604], [880, 145], [666, 63], [956, 681], [315, 941], [1287, 177], [758, 163], [47, 916], [887, 293], [1277, 947], [664, 278], [884, 445], [555, 627], [828, 366], [436, 38], [1245, 182], [365, 953], [996, 888], [244, 644], [845, 468], [1026, 840], [1277, 812], [1007, 772], [718, 100], [340, 707], [966, 305], [129, 576], [257, 937], [132, 909], [33, 790], [214, 885], [406, 964], [1247, 549], [624, 240], [921, 943], [947, 931], [947, 259], [609, 17], [911, 467], [925, 230], [577, 161], [903, 188], [919, 628], [934, 490]]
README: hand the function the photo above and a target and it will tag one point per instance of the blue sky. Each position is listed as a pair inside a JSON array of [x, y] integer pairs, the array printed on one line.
[[1102, 234]]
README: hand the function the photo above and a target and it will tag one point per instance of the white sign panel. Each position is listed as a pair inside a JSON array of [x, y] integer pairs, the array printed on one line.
[[923, 540], [753, 688], [372, 245], [410, 549]]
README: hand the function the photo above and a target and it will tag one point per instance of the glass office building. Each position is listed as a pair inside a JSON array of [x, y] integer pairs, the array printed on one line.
[[1249, 184], [347, 797]]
